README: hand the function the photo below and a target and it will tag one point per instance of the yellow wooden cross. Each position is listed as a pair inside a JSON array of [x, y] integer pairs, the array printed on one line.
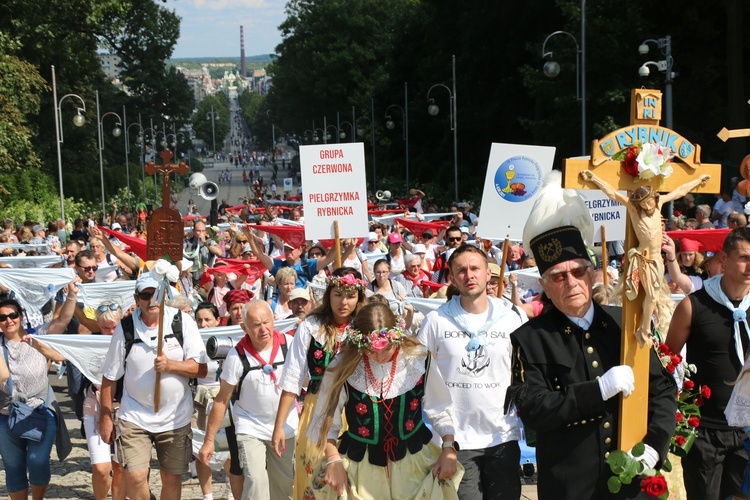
[[645, 113]]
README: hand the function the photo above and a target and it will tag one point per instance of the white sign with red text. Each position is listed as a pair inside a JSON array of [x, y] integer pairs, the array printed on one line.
[[335, 190]]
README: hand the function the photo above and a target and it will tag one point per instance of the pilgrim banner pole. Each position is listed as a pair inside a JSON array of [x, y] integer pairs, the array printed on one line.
[[506, 244]]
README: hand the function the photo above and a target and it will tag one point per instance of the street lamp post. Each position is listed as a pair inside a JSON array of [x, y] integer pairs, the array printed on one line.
[[433, 110], [390, 124], [115, 132], [552, 69], [78, 121], [138, 141], [361, 132], [334, 134], [212, 116], [316, 138], [154, 134], [664, 66]]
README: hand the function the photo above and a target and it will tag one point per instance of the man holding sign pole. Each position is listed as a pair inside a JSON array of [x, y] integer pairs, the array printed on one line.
[[567, 378]]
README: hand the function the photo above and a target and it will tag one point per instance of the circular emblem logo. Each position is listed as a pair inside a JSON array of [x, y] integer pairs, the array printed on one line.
[[550, 251], [518, 178]]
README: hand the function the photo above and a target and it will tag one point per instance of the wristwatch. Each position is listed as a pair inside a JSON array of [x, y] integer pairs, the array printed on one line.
[[451, 444]]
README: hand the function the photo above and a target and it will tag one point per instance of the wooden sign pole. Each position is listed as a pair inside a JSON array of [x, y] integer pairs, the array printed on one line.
[[645, 114], [337, 244], [605, 276], [159, 352], [506, 244]]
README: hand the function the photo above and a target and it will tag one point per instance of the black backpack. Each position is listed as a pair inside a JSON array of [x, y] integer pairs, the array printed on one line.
[[246, 368], [128, 330]]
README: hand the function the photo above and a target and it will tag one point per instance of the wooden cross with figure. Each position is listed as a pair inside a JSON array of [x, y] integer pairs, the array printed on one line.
[[165, 228], [644, 269]]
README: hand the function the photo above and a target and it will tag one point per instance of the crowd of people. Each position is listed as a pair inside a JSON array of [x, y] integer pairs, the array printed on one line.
[[345, 378]]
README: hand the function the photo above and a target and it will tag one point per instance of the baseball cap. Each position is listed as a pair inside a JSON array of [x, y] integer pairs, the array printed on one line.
[[419, 248], [464, 229], [394, 238], [115, 225], [287, 245], [372, 236], [428, 234], [246, 248], [145, 280], [494, 269], [37, 228], [299, 293]]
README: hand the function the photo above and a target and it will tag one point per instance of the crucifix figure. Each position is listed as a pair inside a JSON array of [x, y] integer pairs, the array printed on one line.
[[645, 267], [165, 231]]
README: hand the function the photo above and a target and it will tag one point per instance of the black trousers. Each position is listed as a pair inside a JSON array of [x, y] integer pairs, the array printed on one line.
[[491, 473], [715, 466]]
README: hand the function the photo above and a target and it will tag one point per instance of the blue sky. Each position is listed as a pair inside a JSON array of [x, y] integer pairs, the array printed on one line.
[[211, 28]]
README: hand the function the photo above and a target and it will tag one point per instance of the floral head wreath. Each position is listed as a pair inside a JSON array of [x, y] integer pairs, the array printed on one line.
[[377, 340], [348, 283]]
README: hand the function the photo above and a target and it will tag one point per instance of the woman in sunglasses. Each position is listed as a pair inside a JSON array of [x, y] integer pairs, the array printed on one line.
[[27, 367]]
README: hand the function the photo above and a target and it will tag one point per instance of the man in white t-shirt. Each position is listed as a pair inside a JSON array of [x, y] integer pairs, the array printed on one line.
[[138, 425], [267, 475], [469, 339]]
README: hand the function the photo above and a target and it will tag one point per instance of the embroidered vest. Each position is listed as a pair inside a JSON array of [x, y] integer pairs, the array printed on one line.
[[386, 429], [318, 359]]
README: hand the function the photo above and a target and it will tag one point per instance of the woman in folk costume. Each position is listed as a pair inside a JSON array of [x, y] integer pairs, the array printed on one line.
[[383, 381], [318, 339]]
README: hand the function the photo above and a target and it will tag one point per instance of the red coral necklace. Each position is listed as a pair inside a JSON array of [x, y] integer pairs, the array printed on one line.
[[370, 380]]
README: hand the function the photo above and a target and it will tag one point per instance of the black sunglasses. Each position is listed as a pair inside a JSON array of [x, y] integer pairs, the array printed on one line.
[[13, 315], [88, 269], [145, 295], [453, 238]]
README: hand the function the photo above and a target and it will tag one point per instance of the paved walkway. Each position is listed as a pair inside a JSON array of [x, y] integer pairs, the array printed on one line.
[[72, 478]]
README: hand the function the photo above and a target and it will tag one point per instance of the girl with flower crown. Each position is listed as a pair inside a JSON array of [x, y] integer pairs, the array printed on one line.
[[382, 381], [317, 341]]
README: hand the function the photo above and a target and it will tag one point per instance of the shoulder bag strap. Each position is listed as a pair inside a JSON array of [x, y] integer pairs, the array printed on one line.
[[10, 378]]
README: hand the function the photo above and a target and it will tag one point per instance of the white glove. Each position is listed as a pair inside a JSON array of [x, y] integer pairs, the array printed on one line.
[[617, 379], [649, 457]]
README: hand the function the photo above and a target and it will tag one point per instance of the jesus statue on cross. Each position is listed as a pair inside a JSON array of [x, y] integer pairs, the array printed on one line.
[[645, 266]]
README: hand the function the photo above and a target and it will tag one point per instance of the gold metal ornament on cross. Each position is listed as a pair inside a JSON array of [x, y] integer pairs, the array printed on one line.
[[642, 180]]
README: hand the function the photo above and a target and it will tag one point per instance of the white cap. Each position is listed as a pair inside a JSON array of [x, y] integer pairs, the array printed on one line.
[[373, 236], [299, 293], [419, 248], [115, 225]]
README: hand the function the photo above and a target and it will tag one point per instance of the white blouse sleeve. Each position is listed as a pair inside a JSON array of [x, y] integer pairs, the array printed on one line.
[[313, 431], [295, 365], [437, 403]]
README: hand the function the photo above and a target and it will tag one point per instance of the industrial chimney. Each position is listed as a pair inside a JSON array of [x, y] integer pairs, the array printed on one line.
[[243, 66]]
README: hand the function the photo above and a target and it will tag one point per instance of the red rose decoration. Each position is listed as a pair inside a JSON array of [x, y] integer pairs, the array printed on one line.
[[414, 404], [629, 163], [360, 408], [318, 354], [421, 379], [654, 486], [663, 349], [675, 359], [688, 385], [705, 392], [670, 368], [694, 422], [364, 431], [679, 417], [679, 440], [699, 401], [409, 425], [318, 370]]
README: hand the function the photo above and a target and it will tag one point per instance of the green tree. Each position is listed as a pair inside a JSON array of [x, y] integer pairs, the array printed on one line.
[[20, 86], [202, 125]]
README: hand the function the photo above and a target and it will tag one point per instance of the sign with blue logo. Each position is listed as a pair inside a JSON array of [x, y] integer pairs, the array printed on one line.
[[513, 180]]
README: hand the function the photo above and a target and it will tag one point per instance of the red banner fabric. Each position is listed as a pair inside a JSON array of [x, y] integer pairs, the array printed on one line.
[[710, 240], [417, 227], [294, 235], [137, 245]]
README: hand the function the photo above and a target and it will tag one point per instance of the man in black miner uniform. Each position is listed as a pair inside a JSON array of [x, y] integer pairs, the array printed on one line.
[[568, 381], [717, 346]]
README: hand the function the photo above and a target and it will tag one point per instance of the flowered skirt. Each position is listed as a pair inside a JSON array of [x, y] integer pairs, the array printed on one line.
[[304, 459], [406, 479]]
